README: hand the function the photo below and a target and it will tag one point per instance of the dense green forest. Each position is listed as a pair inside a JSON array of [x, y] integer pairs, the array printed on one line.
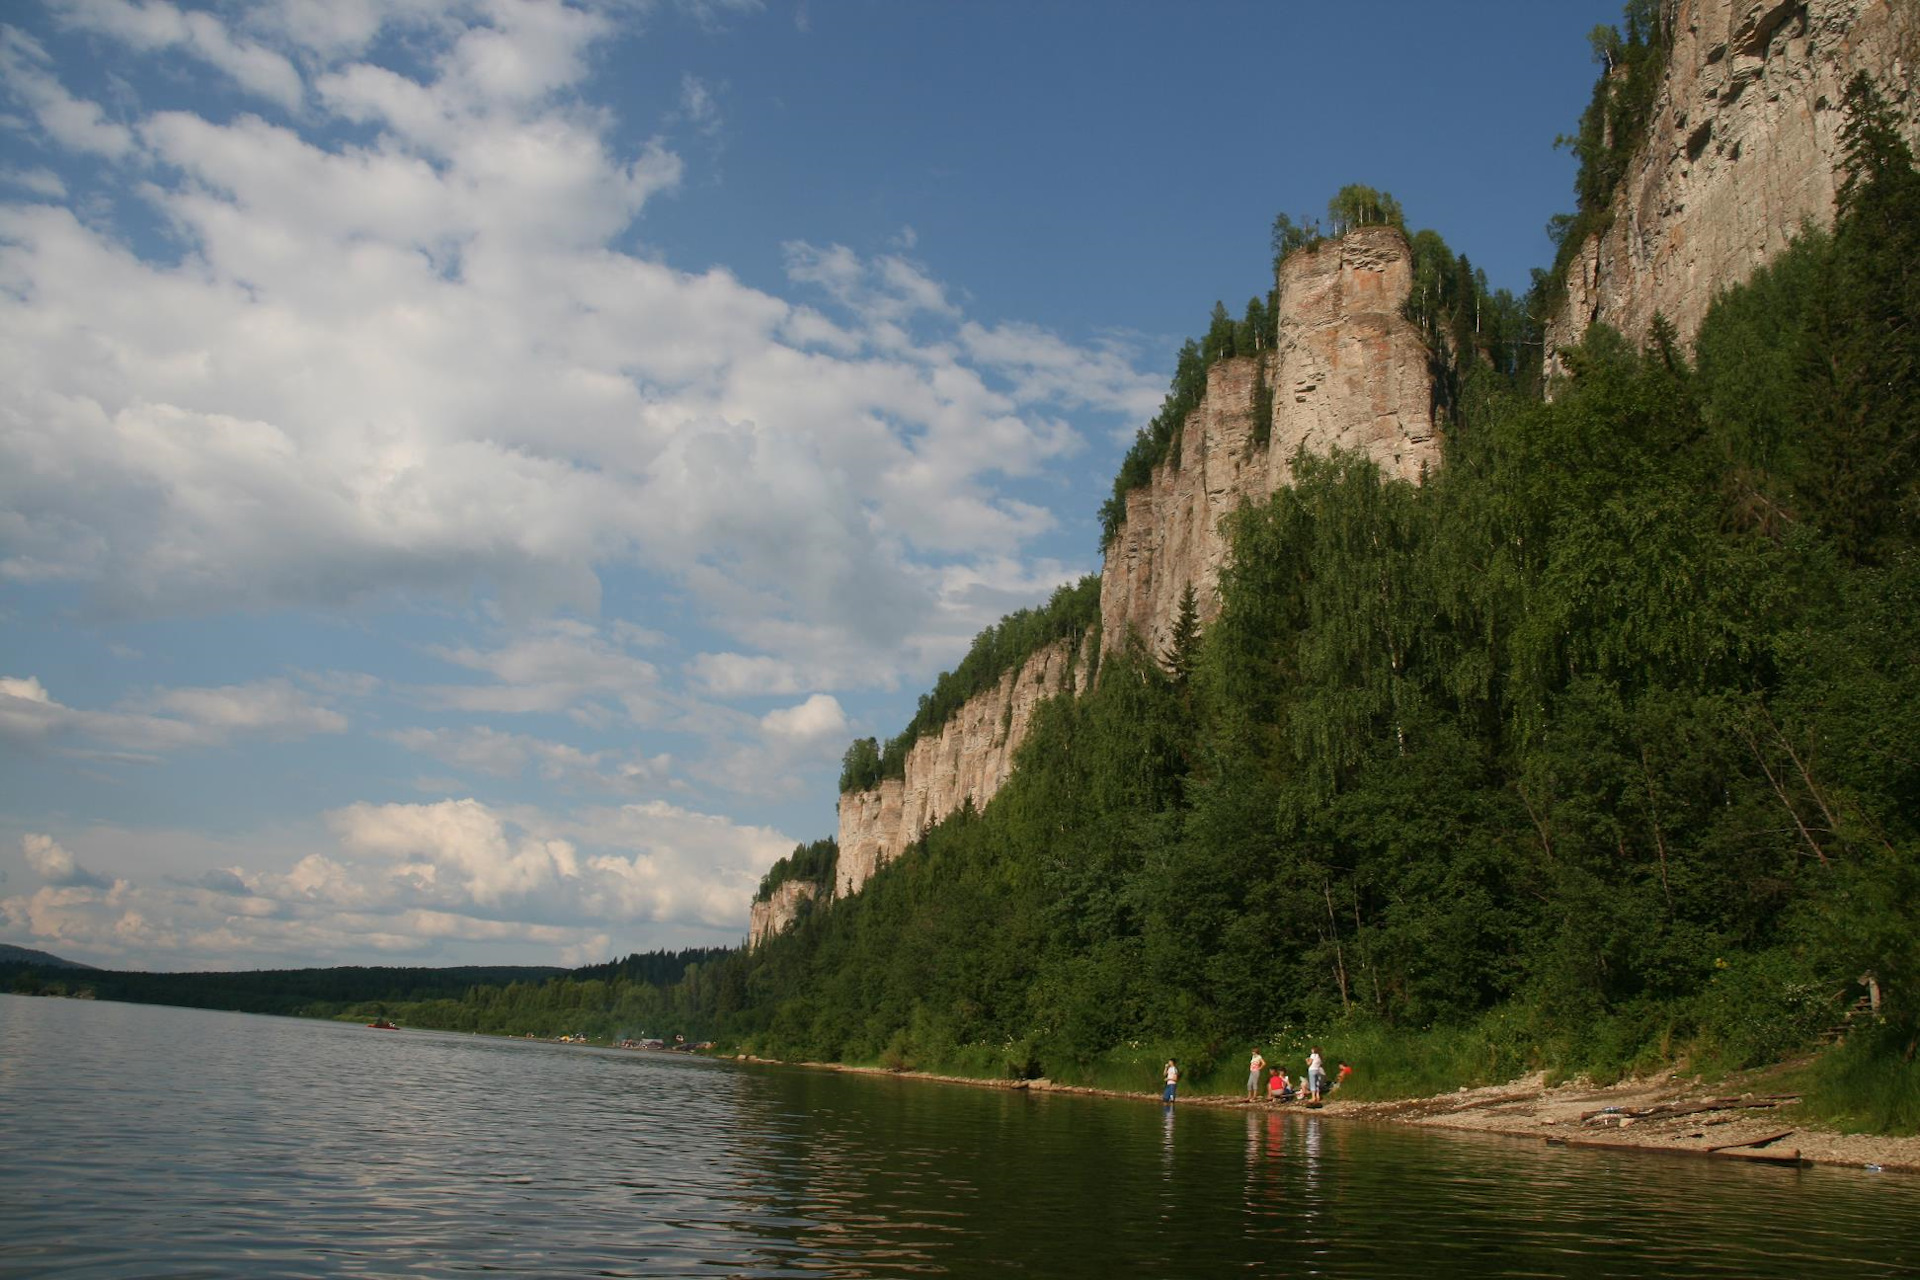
[[317, 992], [1600, 748]]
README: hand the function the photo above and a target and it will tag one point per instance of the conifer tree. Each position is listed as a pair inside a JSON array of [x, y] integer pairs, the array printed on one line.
[[1184, 643]]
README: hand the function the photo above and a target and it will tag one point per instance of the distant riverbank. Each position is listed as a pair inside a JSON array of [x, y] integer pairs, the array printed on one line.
[[1737, 1119]]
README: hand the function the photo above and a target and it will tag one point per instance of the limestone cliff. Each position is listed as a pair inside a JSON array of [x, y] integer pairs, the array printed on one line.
[[1741, 151], [967, 760], [772, 914], [1348, 371]]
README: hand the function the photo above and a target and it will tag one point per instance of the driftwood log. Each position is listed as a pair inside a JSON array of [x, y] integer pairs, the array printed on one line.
[[1745, 1103]]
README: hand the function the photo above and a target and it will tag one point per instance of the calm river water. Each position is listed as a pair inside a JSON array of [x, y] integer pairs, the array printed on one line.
[[139, 1141]]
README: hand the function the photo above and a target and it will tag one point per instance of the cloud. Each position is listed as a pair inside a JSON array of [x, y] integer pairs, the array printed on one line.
[[730, 675], [553, 667], [453, 881], [413, 366], [818, 717], [39, 182], [154, 25], [56, 866], [167, 719], [511, 755], [640, 862], [26, 709], [269, 706], [1045, 369], [70, 122], [225, 880], [699, 108]]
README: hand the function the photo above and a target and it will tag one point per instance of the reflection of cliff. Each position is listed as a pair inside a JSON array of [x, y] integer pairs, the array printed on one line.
[[1348, 371], [1741, 151], [966, 761]]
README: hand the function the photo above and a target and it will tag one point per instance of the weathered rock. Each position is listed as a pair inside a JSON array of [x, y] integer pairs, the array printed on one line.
[[1349, 371], [774, 913], [1742, 152], [966, 762]]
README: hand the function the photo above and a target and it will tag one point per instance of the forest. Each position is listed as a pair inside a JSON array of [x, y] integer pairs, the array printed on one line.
[[1599, 751]]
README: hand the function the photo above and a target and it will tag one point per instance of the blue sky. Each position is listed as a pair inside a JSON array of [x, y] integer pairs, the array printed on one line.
[[467, 469]]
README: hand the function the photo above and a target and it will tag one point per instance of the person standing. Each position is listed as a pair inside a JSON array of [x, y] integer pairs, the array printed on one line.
[[1173, 1082], [1316, 1074], [1254, 1068]]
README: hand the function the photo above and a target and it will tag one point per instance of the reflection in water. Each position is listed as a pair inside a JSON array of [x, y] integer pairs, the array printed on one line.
[[143, 1141]]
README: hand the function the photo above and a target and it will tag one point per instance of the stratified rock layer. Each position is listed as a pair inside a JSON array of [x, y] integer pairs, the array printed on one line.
[[966, 762], [1348, 371], [772, 914], [1742, 151]]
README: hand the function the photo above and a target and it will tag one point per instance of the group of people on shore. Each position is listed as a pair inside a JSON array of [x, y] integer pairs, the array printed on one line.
[[1312, 1087]]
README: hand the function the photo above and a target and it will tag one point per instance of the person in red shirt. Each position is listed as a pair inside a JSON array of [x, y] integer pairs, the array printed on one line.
[[1279, 1088]]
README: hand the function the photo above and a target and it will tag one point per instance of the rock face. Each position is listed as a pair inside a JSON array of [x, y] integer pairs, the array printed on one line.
[[967, 760], [1742, 150], [770, 915], [1348, 371]]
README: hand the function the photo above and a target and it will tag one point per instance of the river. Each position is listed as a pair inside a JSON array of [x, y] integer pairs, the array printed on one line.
[[144, 1141]]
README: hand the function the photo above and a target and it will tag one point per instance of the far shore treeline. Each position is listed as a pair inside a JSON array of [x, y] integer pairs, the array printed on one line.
[[616, 1000], [1597, 752]]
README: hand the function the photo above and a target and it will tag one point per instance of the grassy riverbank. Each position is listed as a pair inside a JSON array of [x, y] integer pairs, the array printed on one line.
[[1869, 1084], [1752, 1116]]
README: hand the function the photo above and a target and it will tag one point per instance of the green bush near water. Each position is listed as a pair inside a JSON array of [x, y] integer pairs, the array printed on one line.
[[1868, 1084]]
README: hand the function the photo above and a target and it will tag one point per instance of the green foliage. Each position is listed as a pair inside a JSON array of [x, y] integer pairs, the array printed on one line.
[[278, 991], [1159, 439], [1290, 236], [860, 767], [1466, 323], [1869, 1084], [1184, 645], [1612, 127], [1355, 205], [813, 863], [1071, 612], [1559, 760]]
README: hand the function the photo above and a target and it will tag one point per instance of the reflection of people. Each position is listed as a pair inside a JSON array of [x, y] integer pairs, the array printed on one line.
[[1173, 1081], [1316, 1075], [1254, 1068]]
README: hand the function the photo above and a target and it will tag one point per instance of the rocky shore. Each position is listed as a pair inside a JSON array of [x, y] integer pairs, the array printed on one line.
[[1664, 1114]]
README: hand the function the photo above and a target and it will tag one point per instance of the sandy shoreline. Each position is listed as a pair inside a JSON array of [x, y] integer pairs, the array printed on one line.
[[1657, 1115]]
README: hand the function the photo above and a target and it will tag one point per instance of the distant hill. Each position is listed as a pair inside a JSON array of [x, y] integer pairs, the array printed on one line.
[[10, 954]]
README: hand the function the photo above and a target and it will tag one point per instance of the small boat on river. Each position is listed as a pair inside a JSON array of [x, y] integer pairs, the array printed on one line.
[[382, 1025]]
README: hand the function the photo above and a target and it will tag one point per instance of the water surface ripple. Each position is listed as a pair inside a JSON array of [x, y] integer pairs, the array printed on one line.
[[140, 1141]]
